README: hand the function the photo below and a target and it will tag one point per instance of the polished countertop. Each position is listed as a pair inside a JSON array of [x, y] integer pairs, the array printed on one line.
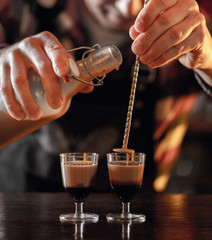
[[168, 216]]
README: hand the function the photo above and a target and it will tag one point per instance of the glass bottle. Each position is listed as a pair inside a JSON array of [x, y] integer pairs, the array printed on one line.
[[98, 62]]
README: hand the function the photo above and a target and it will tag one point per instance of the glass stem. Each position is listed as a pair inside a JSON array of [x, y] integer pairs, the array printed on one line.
[[126, 230], [125, 210], [78, 209], [79, 228]]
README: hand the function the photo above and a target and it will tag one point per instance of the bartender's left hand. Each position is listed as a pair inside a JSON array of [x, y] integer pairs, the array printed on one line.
[[172, 29]]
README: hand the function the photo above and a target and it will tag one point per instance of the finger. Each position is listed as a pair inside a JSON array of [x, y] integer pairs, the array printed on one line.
[[11, 104], [175, 36], [43, 66], [21, 87], [150, 12], [182, 49], [56, 53], [133, 33], [87, 89], [164, 22]]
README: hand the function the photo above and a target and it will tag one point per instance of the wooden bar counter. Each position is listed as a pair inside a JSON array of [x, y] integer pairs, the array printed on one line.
[[29, 216]]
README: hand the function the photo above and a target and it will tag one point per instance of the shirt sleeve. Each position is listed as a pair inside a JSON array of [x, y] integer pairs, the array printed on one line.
[[206, 88]]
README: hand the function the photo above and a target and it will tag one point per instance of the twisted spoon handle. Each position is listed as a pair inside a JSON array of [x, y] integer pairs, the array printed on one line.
[[131, 103], [130, 107]]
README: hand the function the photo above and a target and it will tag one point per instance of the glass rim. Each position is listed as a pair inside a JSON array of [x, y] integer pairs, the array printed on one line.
[[120, 156], [77, 154], [123, 154]]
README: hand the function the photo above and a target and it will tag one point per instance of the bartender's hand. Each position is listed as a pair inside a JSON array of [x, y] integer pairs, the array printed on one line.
[[173, 29], [48, 57]]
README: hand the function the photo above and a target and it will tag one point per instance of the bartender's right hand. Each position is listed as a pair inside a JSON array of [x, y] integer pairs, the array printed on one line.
[[48, 57]]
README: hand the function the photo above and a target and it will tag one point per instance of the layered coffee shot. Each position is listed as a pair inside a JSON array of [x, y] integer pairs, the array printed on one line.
[[78, 175], [126, 178], [78, 178]]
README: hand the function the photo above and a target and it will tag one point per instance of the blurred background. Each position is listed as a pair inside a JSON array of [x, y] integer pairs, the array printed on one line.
[[193, 168]]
